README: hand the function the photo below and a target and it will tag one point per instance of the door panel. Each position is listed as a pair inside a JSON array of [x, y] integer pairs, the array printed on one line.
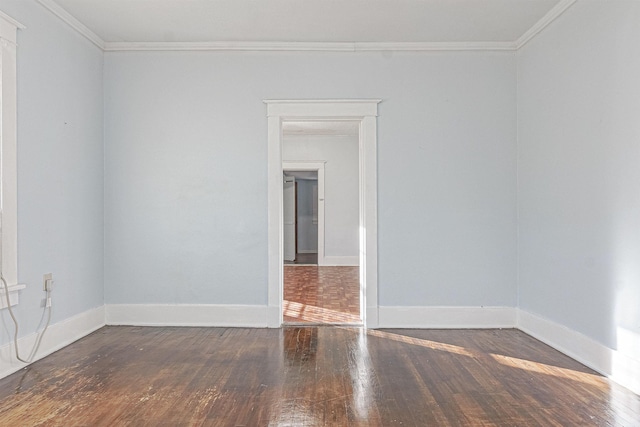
[[289, 216]]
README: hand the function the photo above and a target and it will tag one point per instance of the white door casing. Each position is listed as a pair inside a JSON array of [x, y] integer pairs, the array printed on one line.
[[365, 112]]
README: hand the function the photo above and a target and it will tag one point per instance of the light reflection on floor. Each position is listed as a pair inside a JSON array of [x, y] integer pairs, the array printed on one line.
[[362, 388], [321, 295], [296, 311], [513, 362]]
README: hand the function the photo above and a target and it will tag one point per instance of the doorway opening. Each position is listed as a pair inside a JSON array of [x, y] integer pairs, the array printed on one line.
[[303, 212], [364, 113], [327, 292]]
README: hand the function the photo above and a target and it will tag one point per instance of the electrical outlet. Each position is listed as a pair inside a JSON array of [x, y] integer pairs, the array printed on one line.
[[47, 281]]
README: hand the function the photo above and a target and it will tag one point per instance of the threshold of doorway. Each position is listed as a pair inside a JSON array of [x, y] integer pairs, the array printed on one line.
[[316, 324]]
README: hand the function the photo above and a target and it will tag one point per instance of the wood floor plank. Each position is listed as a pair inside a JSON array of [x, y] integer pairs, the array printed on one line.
[[311, 376]]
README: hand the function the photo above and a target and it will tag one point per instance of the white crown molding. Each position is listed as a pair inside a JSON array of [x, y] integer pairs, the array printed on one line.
[[432, 46], [323, 101], [544, 22], [70, 20], [310, 46], [227, 46], [258, 46], [12, 21]]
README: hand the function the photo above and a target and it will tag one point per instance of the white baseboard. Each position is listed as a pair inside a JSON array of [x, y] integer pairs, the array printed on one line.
[[245, 316], [622, 367], [446, 317], [274, 316], [307, 251], [57, 336], [372, 319], [351, 261]]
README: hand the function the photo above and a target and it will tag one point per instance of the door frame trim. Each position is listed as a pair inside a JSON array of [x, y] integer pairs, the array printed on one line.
[[365, 111]]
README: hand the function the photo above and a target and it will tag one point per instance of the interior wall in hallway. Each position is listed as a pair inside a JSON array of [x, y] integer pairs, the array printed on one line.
[[341, 199]]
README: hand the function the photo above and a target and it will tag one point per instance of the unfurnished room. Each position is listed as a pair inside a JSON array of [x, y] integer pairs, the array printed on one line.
[[319, 213]]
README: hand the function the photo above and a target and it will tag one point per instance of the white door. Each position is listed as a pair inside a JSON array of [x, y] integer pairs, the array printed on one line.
[[289, 216]]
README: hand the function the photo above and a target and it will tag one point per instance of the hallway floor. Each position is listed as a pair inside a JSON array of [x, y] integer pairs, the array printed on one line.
[[321, 294], [304, 259]]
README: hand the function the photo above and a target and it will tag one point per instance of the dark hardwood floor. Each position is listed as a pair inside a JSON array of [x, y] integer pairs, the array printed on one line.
[[321, 295], [311, 376]]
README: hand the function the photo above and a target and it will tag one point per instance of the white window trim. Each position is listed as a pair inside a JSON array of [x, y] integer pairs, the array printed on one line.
[[8, 159]]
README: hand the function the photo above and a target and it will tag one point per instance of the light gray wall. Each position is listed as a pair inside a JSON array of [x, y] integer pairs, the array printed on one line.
[[579, 179], [307, 230], [342, 215], [186, 171], [60, 167]]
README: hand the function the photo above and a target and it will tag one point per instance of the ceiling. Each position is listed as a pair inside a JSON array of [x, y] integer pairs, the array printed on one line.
[[115, 24]]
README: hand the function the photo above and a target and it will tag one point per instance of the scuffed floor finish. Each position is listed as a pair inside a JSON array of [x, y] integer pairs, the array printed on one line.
[[314, 294], [311, 376]]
